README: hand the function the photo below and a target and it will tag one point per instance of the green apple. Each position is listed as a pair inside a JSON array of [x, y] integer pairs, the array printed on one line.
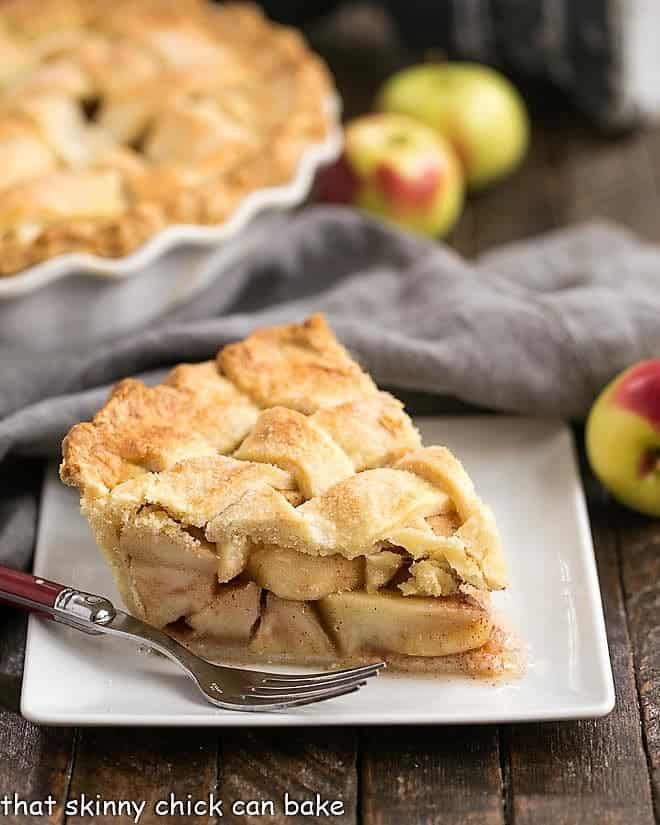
[[473, 106], [623, 437], [398, 169]]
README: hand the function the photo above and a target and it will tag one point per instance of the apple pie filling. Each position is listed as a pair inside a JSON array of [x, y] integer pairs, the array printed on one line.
[[276, 505]]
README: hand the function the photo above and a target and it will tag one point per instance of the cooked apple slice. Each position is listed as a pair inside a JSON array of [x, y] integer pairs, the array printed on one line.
[[299, 577], [291, 629], [380, 568], [232, 559], [171, 573], [388, 623], [231, 615], [501, 656]]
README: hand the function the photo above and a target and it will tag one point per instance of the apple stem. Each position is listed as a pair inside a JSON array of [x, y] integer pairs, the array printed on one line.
[[650, 463], [436, 56]]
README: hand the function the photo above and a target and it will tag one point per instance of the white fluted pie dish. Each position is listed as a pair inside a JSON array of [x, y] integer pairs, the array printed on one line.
[[78, 299]]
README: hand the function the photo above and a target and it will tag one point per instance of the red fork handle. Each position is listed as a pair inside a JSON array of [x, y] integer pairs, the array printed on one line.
[[25, 590]]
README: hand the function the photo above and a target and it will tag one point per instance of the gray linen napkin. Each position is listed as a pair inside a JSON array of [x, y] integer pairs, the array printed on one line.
[[536, 327]]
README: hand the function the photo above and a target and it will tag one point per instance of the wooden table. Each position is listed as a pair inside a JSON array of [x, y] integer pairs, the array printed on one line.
[[599, 772]]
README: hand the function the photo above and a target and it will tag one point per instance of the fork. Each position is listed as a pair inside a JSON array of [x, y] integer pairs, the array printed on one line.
[[230, 688]]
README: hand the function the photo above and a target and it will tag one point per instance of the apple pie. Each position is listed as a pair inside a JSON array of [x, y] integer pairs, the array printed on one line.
[[120, 118], [274, 505]]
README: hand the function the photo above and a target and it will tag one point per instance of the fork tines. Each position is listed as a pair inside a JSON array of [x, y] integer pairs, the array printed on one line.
[[280, 690]]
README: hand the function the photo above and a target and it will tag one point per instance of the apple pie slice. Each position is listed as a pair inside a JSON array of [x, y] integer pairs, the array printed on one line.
[[273, 504]]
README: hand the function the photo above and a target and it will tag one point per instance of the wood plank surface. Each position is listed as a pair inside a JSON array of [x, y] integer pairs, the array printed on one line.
[[34, 761], [170, 770], [639, 555], [145, 765], [266, 765], [593, 178], [431, 776]]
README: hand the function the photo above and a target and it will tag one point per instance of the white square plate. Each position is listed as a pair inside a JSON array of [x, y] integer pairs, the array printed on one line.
[[525, 469]]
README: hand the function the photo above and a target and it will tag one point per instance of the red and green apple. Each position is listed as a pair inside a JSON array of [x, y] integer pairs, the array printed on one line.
[[623, 437], [398, 169], [476, 108]]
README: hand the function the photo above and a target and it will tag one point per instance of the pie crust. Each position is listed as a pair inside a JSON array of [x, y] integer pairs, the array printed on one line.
[[120, 118], [273, 504]]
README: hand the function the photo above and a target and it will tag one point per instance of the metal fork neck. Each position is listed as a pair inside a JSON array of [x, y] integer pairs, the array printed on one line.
[[85, 607]]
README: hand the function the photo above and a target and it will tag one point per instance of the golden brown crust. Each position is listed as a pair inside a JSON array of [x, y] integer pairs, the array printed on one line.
[[293, 441], [300, 366], [196, 412], [325, 498], [194, 92], [298, 479], [373, 431]]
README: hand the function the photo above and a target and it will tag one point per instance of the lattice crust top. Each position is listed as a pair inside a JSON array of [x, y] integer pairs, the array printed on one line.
[[119, 118], [334, 469]]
